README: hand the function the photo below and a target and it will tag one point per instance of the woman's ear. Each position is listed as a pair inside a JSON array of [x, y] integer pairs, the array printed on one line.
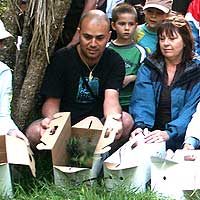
[[78, 29]]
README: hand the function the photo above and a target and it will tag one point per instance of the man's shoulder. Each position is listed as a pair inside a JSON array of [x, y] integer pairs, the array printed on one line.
[[64, 54], [112, 58], [65, 50], [109, 52]]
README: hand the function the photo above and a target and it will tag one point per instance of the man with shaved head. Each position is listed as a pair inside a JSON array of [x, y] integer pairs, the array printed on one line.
[[85, 80]]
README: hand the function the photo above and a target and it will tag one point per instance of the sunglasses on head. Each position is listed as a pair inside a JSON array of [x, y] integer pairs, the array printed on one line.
[[177, 20]]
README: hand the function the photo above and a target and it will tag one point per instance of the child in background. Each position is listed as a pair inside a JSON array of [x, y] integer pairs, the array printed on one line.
[[193, 17], [138, 5], [124, 22], [155, 12]]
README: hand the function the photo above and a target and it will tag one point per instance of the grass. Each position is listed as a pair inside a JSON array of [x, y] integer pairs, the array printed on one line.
[[48, 191], [44, 190], [43, 187]]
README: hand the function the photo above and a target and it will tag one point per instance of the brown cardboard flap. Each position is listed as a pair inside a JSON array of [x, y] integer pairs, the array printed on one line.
[[88, 131], [16, 152], [104, 142], [3, 156], [89, 123], [31, 162], [56, 136], [59, 152], [51, 135]]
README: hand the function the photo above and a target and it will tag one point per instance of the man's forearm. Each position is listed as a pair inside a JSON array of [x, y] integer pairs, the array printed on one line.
[[50, 107], [111, 103]]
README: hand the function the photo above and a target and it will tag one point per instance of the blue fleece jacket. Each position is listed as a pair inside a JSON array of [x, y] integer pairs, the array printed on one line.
[[185, 94]]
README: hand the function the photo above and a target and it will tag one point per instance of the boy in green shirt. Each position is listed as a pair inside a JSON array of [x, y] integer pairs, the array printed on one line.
[[124, 22]]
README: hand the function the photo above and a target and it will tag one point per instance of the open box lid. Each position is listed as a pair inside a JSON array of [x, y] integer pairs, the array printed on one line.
[[91, 122], [69, 170], [60, 123], [15, 151], [159, 160], [175, 175], [127, 157], [90, 127], [88, 131], [182, 155], [179, 156], [56, 136], [58, 126]]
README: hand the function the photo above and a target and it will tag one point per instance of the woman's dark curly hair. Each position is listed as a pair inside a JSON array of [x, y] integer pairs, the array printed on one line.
[[171, 26]]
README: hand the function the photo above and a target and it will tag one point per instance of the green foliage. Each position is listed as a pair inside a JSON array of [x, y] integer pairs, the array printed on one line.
[[3, 6], [80, 156]]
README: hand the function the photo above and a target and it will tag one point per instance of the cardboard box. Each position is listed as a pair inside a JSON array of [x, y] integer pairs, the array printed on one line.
[[174, 177], [13, 151], [86, 132], [131, 166]]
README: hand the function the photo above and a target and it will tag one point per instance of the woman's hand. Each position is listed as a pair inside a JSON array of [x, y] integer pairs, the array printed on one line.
[[137, 137], [156, 136], [135, 132]]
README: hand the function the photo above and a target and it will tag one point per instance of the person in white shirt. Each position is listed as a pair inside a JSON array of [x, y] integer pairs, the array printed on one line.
[[192, 137], [7, 125]]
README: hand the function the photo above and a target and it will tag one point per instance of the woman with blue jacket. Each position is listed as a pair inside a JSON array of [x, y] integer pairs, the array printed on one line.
[[167, 87]]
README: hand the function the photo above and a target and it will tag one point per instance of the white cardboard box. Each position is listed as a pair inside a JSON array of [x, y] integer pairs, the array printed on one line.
[[87, 131], [174, 177], [131, 167], [12, 151]]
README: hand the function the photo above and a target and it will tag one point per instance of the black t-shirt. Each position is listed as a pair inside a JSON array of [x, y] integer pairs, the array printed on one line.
[[63, 80]]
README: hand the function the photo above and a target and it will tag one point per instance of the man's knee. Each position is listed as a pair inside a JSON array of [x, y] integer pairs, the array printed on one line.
[[127, 123], [33, 133]]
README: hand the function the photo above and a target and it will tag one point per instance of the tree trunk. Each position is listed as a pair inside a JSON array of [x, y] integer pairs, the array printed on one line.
[[37, 47]]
